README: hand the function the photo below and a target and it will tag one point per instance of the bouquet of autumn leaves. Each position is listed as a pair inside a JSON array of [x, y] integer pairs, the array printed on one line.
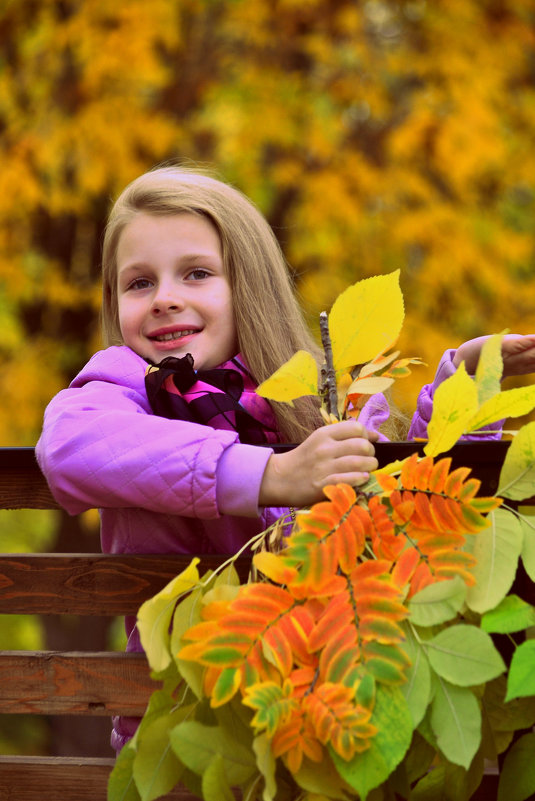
[[359, 662]]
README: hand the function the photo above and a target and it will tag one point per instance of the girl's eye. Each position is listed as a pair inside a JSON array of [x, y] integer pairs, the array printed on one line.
[[198, 274], [139, 283]]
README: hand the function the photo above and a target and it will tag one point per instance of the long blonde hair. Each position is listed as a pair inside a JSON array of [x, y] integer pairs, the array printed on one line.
[[269, 321]]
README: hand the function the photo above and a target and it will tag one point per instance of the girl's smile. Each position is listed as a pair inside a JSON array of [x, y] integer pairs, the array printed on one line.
[[173, 295]]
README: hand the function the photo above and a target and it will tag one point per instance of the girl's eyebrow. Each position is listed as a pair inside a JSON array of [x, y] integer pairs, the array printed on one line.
[[187, 259]]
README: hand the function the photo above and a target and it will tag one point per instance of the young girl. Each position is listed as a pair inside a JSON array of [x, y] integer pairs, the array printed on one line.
[[178, 458]]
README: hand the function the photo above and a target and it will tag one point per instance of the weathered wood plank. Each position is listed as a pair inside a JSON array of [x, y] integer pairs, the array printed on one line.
[[65, 778], [91, 584], [22, 485], [53, 683]]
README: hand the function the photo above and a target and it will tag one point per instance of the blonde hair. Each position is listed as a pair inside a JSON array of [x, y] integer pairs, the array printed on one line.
[[269, 321]]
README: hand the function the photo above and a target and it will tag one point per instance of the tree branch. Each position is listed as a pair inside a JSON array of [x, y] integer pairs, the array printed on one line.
[[328, 372]]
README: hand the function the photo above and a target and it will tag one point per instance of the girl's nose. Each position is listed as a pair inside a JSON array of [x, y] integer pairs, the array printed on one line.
[[166, 301]]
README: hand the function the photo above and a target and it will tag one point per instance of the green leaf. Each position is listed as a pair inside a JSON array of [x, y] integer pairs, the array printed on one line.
[[154, 617], [521, 680], [266, 765], [527, 524], [196, 745], [156, 768], [392, 718], [517, 476], [215, 786], [510, 403], [456, 722], [121, 784], [505, 715], [297, 377], [365, 320], [497, 550], [464, 655], [448, 782], [187, 614], [235, 719], [419, 757], [454, 404], [437, 603], [517, 777], [512, 614], [417, 688], [322, 779], [489, 369]]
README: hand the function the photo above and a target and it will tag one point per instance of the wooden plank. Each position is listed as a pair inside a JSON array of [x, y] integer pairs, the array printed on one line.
[[73, 683], [66, 778], [91, 584], [22, 485]]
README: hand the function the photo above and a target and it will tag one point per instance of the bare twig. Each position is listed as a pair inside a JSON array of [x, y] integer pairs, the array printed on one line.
[[328, 372]]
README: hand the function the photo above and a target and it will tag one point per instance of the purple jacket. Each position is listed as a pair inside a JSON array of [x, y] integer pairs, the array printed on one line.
[[163, 486]]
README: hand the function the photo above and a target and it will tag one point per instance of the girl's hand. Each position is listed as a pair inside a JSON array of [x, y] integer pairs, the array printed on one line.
[[338, 453], [518, 353]]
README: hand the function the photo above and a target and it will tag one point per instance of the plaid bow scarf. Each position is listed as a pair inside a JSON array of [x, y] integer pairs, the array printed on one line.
[[223, 397]]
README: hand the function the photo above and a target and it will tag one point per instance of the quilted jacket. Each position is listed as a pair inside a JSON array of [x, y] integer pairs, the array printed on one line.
[[163, 486]]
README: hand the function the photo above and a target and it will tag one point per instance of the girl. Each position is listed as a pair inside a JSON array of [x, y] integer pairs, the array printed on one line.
[[171, 456]]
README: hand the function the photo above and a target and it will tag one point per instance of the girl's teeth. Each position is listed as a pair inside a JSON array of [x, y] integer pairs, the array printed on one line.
[[174, 335]]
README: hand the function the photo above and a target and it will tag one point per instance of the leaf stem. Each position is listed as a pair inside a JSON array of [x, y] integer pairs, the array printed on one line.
[[329, 386]]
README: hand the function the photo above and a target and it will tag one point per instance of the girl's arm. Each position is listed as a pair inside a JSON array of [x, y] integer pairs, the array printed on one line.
[[102, 447], [518, 352]]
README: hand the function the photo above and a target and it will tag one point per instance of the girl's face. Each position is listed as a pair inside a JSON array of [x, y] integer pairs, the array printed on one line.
[[173, 295]]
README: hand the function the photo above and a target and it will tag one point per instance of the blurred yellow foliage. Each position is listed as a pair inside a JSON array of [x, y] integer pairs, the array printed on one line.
[[375, 136]]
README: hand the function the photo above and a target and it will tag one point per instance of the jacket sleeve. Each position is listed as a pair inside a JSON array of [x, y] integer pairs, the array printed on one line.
[[102, 447], [424, 404]]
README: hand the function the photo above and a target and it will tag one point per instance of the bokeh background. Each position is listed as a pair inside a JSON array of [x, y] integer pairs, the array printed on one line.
[[373, 135]]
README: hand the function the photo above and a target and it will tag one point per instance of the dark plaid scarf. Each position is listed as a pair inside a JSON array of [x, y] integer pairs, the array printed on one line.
[[223, 397]]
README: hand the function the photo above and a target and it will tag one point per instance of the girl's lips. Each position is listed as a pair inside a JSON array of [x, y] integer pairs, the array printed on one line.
[[171, 339]]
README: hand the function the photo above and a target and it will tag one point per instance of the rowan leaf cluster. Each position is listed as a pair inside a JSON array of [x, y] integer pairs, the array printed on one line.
[[357, 656]]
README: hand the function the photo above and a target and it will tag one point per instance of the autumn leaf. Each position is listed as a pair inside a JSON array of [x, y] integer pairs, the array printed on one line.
[[454, 405], [489, 369], [365, 320], [154, 617], [297, 377], [518, 470]]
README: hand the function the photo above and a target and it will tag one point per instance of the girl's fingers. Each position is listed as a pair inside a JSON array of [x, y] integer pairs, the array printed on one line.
[[349, 429]]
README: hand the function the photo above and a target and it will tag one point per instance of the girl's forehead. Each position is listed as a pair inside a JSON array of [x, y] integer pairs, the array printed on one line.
[[175, 235]]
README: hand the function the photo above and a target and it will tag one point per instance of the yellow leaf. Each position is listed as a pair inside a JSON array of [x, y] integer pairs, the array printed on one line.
[[518, 472], [454, 405], [369, 386], [511, 403], [154, 617], [297, 377], [401, 368], [342, 386], [489, 368], [366, 319], [378, 364]]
